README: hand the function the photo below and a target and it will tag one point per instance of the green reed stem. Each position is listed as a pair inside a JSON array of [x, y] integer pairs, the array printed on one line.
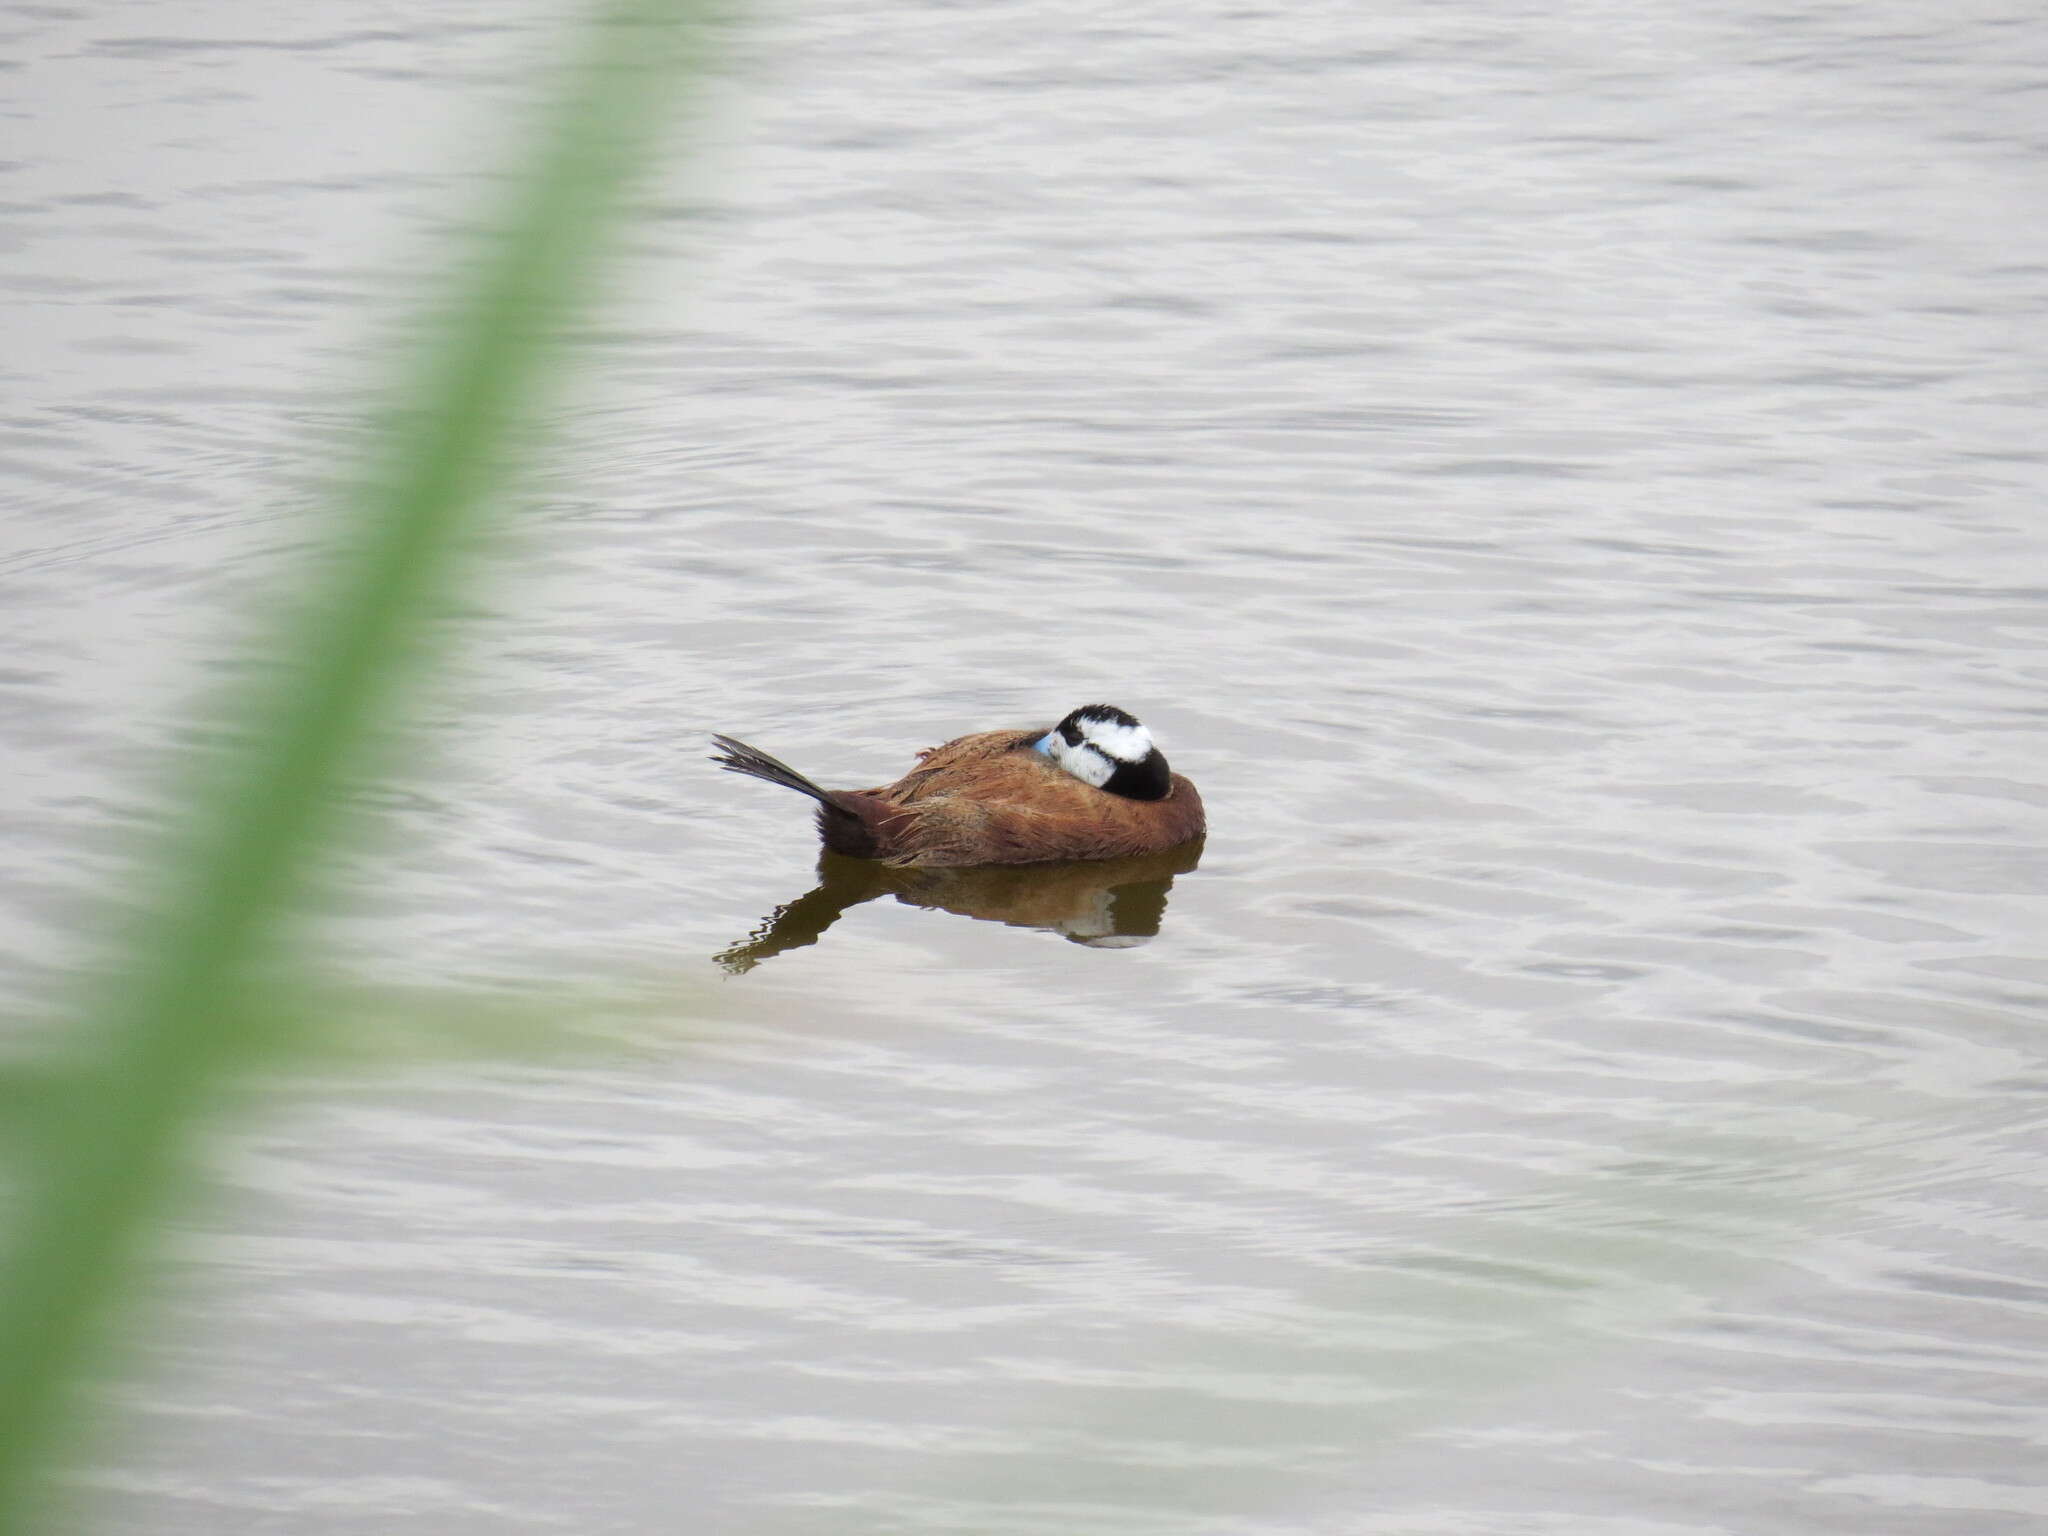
[[175, 1025]]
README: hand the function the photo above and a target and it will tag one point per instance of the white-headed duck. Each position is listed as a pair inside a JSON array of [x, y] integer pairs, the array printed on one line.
[[1092, 787]]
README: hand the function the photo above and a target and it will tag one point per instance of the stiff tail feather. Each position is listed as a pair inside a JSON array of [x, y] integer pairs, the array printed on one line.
[[844, 818], [738, 757]]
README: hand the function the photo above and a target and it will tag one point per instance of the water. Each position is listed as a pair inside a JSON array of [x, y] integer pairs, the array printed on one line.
[[1565, 484]]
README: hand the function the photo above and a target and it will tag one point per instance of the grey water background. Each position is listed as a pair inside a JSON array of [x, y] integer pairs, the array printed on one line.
[[1566, 482]]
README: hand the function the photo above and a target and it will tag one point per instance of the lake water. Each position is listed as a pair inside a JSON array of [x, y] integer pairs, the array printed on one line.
[[1566, 481]]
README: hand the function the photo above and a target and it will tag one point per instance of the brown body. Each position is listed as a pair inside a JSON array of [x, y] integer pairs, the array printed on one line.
[[989, 798]]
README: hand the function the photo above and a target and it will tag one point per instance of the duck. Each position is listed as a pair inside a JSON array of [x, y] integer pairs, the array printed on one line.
[[1092, 787]]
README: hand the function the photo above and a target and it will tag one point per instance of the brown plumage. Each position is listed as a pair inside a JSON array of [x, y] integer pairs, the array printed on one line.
[[996, 798]]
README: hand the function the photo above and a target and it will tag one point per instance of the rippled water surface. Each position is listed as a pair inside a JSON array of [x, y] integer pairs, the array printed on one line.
[[1565, 481]]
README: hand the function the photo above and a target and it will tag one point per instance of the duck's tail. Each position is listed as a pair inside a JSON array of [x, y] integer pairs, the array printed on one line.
[[851, 821], [737, 757]]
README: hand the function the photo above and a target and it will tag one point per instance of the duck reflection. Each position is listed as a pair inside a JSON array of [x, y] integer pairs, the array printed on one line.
[[1103, 903]]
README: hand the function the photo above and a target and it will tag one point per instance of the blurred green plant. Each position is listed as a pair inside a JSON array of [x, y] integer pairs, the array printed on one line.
[[175, 1017]]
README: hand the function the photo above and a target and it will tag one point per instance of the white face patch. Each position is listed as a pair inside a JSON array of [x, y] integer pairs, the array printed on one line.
[[1085, 762], [1126, 743]]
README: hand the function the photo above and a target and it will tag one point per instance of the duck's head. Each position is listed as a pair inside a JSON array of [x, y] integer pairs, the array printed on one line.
[[1100, 744]]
